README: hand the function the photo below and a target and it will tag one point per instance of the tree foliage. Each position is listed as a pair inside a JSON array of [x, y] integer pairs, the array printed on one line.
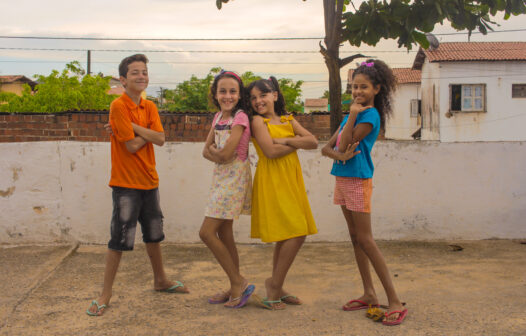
[[61, 91], [192, 94], [406, 21]]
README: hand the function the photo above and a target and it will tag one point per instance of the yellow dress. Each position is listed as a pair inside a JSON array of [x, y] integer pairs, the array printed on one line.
[[280, 208]]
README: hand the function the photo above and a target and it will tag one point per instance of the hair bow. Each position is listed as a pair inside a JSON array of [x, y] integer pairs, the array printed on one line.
[[370, 64]]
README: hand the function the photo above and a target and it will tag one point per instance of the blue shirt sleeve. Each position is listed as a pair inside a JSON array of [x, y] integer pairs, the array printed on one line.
[[369, 116]]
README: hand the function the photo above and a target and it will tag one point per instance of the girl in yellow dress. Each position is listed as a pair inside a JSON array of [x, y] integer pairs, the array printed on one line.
[[280, 208]]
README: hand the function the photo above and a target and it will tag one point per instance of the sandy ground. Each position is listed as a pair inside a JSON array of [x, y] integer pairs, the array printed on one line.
[[480, 290]]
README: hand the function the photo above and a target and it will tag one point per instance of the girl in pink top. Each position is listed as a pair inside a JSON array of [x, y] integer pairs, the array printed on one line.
[[231, 189]]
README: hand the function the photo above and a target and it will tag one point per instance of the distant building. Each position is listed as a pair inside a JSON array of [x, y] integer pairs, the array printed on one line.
[[316, 105], [473, 91], [15, 83], [116, 87]]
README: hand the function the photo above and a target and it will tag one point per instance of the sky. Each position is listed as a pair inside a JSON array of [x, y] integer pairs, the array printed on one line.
[[172, 62]]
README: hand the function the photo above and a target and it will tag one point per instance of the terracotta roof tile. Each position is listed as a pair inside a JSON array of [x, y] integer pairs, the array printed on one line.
[[116, 91], [472, 51], [321, 102], [13, 78], [403, 75]]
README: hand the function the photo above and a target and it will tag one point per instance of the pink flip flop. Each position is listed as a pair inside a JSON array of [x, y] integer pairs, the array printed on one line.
[[364, 305], [399, 320]]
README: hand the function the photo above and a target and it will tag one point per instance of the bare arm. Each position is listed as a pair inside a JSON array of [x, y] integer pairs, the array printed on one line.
[[269, 148], [228, 152], [351, 134], [349, 153], [149, 135], [303, 139], [206, 150]]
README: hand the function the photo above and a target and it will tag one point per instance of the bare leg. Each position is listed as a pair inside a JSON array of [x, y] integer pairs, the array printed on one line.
[[369, 294], [226, 235], [275, 258], [160, 281], [364, 237], [284, 254], [113, 259], [223, 251]]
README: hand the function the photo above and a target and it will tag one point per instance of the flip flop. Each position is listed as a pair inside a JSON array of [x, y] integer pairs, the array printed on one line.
[[399, 320], [287, 299], [173, 289], [224, 298], [99, 307], [243, 298], [363, 305], [268, 304]]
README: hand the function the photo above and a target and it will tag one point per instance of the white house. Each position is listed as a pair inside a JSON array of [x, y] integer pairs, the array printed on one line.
[[405, 121], [316, 105], [473, 91]]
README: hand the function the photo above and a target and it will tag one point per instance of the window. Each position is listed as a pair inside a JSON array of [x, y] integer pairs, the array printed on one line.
[[518, 90], [468, 97]]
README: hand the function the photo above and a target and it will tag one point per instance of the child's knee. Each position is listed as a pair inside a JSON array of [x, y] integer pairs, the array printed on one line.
[[365, 241], [205, 234]]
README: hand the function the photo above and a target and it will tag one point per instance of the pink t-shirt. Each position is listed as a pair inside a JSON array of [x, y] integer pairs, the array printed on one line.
[[240, 118]]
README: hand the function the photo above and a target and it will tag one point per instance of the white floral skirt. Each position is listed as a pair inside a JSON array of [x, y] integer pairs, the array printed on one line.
[[231, 190]]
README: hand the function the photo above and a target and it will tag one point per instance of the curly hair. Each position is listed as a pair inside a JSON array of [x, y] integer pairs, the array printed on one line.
[[381, 74], [267, 86], [241, 103], [123, 66]]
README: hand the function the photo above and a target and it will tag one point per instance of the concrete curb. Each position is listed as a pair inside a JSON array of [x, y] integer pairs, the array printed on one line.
[[43, 276]]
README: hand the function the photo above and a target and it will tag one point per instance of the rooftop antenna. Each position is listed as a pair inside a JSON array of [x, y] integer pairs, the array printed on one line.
[[433, 41]]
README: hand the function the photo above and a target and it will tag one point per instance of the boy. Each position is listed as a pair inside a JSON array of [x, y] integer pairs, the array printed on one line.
[[135, 126]]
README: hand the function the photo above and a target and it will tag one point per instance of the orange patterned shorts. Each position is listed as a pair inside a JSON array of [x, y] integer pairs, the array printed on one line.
[[353, 192]]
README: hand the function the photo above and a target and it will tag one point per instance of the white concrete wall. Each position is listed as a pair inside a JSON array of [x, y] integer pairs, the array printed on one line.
[[401, 125], [430, 90], [505, 119], [56, 191]]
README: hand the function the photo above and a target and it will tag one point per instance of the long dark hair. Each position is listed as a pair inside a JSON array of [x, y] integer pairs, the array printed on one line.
[[381, 74], [268, 86], [241, 103]]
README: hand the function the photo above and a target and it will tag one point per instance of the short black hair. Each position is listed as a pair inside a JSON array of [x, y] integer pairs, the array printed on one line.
[[123, 67]]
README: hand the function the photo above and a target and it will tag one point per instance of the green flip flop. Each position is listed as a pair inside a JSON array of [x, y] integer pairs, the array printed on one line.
[[173, 288], [99, 307]]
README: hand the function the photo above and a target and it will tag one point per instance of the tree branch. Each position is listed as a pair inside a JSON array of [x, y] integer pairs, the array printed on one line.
[[347, 60]]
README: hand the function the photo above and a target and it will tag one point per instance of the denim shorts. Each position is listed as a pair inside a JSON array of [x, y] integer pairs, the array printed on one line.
[[130, 205]]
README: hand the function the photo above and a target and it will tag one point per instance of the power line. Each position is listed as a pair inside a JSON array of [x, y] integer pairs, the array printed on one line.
[[205, 51], [213, 39]]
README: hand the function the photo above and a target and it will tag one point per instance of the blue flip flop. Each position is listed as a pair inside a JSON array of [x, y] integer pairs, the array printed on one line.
[[173, 288], [99, 307], [244, 297]]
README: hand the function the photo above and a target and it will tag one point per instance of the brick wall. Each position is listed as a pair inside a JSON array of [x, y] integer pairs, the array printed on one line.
[[88, 126]]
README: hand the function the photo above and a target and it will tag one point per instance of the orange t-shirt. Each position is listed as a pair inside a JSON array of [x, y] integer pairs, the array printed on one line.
[[136, 171]]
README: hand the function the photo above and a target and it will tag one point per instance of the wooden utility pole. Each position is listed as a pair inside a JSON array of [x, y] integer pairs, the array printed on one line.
[[89, 62]]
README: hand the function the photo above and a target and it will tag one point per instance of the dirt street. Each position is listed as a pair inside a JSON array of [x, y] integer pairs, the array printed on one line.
[[480, 290]]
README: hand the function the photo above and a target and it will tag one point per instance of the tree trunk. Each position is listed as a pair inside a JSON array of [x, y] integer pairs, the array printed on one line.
[[335, 89]]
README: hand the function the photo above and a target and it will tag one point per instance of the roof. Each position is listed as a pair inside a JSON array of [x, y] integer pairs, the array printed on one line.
[[116, 91], [9, 79], [320, 102], [472, 51], [403, 75]]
